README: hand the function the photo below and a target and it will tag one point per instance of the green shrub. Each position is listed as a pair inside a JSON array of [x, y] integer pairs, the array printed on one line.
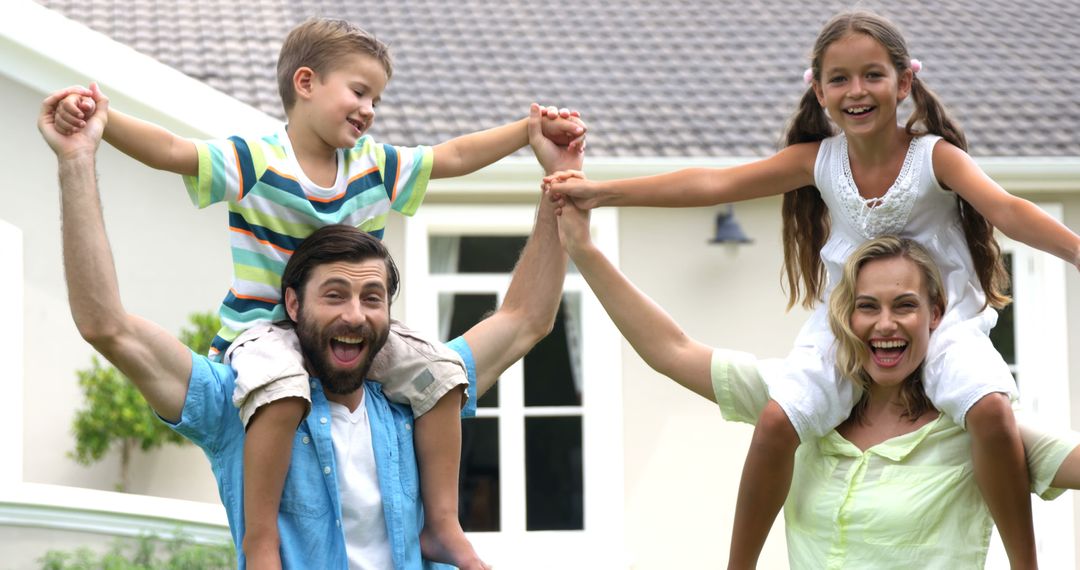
[[145, 553], [115, 413]]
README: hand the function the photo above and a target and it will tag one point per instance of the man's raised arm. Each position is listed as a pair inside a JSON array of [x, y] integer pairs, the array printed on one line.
[[155, 361], [528, 310]]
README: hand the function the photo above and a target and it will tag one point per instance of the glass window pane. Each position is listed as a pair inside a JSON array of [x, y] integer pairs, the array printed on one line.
[[552, 368], [443, 254], [553, 475], [490, 254], [1004, 334], [478, 503], [474, 254], [458, 313]]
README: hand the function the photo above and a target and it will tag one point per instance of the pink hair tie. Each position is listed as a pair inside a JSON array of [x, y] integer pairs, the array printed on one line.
[[808, 75], [916, 65]]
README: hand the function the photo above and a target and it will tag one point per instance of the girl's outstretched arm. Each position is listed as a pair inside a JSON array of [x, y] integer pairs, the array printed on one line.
[[1014, 216], [1053, 456], [791, 168], [1068, 475], [649, 329]]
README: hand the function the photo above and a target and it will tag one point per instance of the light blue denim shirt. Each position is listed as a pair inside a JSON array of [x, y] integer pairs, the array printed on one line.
[[310, 517]]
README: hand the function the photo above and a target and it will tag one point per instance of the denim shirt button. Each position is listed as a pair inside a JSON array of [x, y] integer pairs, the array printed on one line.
[[408, 426], [306, 440], [322, 421], [326, 469]]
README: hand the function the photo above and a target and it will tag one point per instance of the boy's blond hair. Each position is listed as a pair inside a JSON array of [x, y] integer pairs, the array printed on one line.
[[319, 43]]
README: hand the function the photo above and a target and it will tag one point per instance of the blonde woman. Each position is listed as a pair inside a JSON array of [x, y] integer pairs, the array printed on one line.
[[892, 486]]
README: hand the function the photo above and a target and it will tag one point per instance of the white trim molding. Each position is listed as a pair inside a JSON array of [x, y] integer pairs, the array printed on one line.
[[108, 513]]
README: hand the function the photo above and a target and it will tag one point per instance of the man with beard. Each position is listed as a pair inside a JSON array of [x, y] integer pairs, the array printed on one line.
[[351, 497]]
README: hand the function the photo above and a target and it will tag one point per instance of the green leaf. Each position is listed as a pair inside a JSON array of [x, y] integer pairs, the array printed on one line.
[[114, 410]]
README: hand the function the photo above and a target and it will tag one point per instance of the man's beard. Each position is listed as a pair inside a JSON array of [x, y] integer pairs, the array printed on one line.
[[315, 345]]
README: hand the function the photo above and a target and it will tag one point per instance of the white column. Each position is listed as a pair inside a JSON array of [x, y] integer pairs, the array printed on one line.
[[11, 354]]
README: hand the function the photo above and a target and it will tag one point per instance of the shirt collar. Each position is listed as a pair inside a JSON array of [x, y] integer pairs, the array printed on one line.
[[894, 449]]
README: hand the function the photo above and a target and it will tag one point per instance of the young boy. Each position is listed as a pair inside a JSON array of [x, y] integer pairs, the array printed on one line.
[[322, 169]]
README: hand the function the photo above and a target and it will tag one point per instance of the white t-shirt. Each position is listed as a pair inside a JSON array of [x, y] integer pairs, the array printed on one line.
[[362, 519]]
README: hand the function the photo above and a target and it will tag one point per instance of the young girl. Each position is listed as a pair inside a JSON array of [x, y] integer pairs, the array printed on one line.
[[874, 177]]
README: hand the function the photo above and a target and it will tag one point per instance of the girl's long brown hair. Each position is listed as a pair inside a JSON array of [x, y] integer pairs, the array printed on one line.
[[805, 216]]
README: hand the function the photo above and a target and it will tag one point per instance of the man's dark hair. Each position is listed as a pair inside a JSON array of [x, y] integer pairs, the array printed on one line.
[[334, 243]]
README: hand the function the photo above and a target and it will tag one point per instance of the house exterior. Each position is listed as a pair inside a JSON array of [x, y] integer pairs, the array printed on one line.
[[585, 457]]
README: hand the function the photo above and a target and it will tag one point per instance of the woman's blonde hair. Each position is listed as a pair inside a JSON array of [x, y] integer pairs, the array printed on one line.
[[805, 216], [851, 352]]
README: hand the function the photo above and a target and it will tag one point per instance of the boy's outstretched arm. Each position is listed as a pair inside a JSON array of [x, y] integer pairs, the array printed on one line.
[[150, 144], [469, 153]]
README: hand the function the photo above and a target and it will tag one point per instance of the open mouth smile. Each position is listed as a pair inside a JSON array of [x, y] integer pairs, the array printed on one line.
[[887, 352], [359, 126], [859, 111], [346, 350]]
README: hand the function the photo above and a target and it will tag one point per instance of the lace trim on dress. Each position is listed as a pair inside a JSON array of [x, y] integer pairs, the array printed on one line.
[[887, 215]]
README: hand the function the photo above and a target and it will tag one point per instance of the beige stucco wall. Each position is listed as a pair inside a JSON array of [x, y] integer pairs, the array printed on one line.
[[683, 461], [154, 232]]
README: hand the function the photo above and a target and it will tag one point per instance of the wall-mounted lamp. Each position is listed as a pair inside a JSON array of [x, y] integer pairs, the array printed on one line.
[[728, 229]]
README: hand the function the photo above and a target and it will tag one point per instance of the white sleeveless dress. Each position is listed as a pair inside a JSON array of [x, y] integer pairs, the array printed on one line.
[[962, 365]]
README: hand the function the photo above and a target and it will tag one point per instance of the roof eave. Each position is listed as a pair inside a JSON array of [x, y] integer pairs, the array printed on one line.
[[1034, 174], [140, 85]]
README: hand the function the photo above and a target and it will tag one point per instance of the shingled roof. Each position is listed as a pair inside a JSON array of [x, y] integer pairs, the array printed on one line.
[[653, 79]]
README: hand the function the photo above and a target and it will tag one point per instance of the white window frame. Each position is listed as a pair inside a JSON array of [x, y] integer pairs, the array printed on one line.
[[1043, 377], [601, 541]]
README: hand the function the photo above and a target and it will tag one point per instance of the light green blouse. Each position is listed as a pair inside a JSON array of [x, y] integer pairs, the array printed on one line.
[[909, 502]]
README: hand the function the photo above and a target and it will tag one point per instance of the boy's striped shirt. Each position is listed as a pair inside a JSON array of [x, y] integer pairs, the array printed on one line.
[[273, 206]]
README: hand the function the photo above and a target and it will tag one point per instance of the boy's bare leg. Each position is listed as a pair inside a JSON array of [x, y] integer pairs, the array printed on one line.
[[267, 450], [997, 454], [438, 452], [766, 479]]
